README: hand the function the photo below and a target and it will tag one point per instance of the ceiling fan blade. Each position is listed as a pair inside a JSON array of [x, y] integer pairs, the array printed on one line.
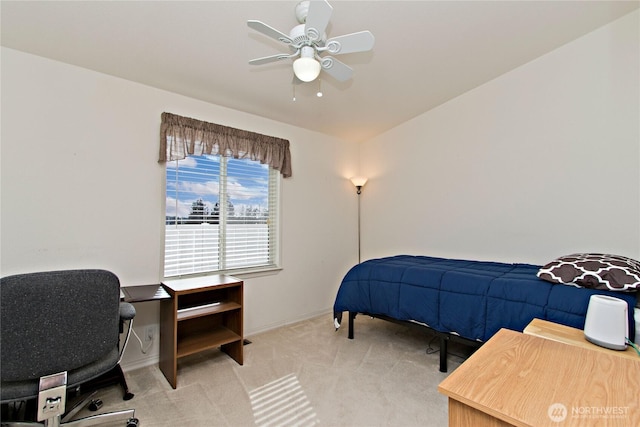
[[269, 31], [336, 69], [268, 59], [317, 19], [361, 41]]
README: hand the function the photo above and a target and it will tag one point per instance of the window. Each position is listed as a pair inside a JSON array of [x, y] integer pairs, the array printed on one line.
[[221, 215], [222, 196]]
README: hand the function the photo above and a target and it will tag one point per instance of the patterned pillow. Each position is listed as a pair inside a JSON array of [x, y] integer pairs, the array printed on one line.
[[594, 271]]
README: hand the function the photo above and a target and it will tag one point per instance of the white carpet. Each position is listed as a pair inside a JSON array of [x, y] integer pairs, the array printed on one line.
[[304, 374]]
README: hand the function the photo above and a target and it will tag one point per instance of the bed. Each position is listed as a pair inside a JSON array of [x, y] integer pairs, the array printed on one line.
[[460, 299]]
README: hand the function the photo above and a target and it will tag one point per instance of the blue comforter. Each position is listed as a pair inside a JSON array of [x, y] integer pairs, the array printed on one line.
[[473, 299]]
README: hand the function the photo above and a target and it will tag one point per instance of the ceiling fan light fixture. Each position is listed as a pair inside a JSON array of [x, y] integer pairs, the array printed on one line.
[[306, 69]]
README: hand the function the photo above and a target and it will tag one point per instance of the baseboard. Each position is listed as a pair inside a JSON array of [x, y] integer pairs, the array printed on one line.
[[301, 318], [132, 365], [143, 362]]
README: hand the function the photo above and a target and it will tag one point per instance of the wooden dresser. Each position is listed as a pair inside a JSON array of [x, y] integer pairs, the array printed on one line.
[[523, 380], [556, 332]]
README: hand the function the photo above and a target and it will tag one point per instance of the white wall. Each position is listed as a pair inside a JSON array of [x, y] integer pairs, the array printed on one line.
[[540, 162], [81, 188]]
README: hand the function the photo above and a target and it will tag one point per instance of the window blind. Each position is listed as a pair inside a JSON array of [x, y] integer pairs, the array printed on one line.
[[221, 215]]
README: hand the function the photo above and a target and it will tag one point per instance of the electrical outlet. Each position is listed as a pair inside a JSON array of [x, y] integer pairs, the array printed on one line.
[[149, 333]]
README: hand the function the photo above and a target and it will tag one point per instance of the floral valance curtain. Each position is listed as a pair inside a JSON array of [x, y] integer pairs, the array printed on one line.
[[183, 136]]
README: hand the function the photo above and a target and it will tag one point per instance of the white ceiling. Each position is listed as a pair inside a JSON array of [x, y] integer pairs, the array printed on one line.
[[426, 52]]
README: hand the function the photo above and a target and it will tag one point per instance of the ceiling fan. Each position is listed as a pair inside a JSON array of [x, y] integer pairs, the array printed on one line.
[[309, 44]]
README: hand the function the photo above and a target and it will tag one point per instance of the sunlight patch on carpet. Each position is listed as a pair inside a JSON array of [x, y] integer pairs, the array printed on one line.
[[282, 403]]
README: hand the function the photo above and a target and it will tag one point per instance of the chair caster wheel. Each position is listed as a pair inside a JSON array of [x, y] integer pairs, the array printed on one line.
[[95, 404], [133, 422]]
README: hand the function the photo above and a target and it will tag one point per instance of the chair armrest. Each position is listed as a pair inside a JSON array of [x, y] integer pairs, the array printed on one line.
[[127, 311]]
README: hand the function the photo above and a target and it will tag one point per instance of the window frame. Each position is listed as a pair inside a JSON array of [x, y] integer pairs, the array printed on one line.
[[274, 226]]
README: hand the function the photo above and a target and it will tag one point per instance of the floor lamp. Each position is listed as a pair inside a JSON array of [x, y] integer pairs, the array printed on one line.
[[359, 182]]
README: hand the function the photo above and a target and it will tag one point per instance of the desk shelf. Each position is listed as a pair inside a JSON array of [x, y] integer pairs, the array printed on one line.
[[216, 337], [203, 313], [207, 309]]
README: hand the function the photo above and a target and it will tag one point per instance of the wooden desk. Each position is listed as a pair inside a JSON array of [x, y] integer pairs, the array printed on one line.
[[203, 313], [523, 380], [142, 293], [572, 336]]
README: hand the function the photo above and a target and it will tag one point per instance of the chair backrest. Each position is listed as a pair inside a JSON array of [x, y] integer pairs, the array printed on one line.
[[56, 321]]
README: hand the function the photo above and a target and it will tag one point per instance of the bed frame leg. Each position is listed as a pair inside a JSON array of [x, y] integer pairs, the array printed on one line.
[[352, 316], [444, 340]]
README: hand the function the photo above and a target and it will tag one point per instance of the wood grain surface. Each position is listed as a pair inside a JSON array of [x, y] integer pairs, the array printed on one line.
[[520, 379]]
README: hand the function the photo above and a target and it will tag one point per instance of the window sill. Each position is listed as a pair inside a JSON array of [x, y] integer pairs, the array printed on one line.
[[245, 273], [258, 272]]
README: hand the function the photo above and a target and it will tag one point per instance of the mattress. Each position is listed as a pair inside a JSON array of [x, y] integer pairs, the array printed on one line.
[[472, 299]]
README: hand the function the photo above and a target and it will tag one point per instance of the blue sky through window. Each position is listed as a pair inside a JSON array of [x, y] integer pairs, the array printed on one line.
[[198, 177]]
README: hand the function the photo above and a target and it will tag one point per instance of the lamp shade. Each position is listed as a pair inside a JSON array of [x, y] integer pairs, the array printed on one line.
[[359, 181], [306, 69]]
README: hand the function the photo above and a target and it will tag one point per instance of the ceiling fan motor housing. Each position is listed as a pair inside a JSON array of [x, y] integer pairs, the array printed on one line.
[[300, 38]]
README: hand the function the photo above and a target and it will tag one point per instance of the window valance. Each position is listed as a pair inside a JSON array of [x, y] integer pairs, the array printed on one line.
[[183, 136]]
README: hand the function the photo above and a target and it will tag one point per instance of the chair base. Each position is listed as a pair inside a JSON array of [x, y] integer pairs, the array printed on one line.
[[127, 417], [114, 376]]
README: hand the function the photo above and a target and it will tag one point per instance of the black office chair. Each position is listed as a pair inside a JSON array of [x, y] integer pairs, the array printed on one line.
[[60, 329]]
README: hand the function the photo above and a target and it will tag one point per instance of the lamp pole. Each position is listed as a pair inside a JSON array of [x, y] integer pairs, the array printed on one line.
[[359, 190], [359, 182]]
